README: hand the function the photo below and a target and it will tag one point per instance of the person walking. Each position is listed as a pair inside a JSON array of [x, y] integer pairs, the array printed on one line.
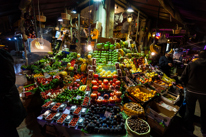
[[165, 63], [12, 110], [193, 78]]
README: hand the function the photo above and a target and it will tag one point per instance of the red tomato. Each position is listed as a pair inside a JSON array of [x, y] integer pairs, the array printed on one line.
[[111, 82], [93, 95]]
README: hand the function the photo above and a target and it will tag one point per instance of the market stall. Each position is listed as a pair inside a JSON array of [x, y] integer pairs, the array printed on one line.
[[100, 93]]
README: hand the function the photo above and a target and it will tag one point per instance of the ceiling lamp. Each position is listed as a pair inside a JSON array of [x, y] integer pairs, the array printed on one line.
[[60, 19], [74, 11], [130, 10], [97, 0]]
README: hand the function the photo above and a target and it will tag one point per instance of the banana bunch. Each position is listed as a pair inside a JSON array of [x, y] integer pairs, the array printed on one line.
[[167, 79], [82, 87], [152, 48]]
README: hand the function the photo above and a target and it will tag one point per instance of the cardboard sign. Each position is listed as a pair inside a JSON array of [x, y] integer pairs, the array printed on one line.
[[46, 75], [117, 65], [93, 61], [75, 68], [94, 67], [107, 114], [90, 74]]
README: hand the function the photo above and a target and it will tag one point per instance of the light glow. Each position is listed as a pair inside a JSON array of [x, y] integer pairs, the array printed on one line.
[[60, 19], [89, 48], [74, 11], [130, 10], [152, 53], [15, 38], [97, 0], [9, 39]]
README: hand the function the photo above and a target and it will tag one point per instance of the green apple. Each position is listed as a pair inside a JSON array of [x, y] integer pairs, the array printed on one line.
[[106, 46], [111, 47]]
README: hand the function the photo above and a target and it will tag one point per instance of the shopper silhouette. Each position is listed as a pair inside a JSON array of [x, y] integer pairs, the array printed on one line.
[[193, 78], [12, 110]]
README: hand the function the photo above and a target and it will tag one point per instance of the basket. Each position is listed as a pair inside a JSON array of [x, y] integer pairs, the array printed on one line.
[[41, 18], [131, 133], [65, 16], [130, 112]]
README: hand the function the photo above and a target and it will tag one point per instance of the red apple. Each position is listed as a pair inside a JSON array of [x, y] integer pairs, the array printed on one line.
[[115, 76], [112, 100], [106, 87], [118, 93], [114, 80], [75, 88], [93, 95], [111, 94], [96, 75], [117, 82], [99, 94], [75, 83], [94, 82], [111, 82], [95, 87], [105, 81], [70, 87], [100, 82], [78, 85], [99, 101]]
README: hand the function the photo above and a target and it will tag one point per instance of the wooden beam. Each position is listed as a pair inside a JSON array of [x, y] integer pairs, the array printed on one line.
[[147, 9], [147, 4]]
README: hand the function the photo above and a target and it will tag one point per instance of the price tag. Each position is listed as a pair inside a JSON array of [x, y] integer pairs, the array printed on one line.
[[49, 94], [78, 97], [77, 80], [46, 75], [66, 111], [56, 70], [107, 114]]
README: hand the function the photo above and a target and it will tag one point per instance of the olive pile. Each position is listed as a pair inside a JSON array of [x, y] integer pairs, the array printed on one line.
[[138, 125]]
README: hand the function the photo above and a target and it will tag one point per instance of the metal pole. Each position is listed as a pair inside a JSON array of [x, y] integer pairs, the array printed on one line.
[[137, 25], [34, 19]]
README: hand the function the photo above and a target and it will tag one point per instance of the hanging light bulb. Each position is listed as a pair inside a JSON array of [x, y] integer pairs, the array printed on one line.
[[74, 11], [89, 47], [153, 53], [9, 39], [60, 19], [130, 10]]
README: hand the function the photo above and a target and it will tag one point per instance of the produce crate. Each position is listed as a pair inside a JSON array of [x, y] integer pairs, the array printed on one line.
[[174, 98], [129, 89]]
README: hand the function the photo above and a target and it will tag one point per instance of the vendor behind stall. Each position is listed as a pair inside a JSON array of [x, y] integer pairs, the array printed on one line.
[[165, 63]]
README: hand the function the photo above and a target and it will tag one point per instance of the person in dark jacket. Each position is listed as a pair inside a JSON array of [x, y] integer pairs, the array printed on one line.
[[165, 63], [12, 110], [193, 78]]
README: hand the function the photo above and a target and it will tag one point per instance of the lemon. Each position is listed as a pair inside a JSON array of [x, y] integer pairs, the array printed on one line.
[[89, 56], [78, 55]]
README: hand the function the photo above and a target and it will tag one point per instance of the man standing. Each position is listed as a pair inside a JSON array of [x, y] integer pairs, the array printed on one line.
[[165, 63], [193, 78], [12, 110]]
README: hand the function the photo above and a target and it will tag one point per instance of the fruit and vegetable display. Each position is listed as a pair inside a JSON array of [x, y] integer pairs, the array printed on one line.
[[62, 118], [98, 91]]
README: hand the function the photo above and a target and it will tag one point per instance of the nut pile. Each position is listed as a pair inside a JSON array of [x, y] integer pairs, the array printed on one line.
[[138, 125], [134, 106]]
